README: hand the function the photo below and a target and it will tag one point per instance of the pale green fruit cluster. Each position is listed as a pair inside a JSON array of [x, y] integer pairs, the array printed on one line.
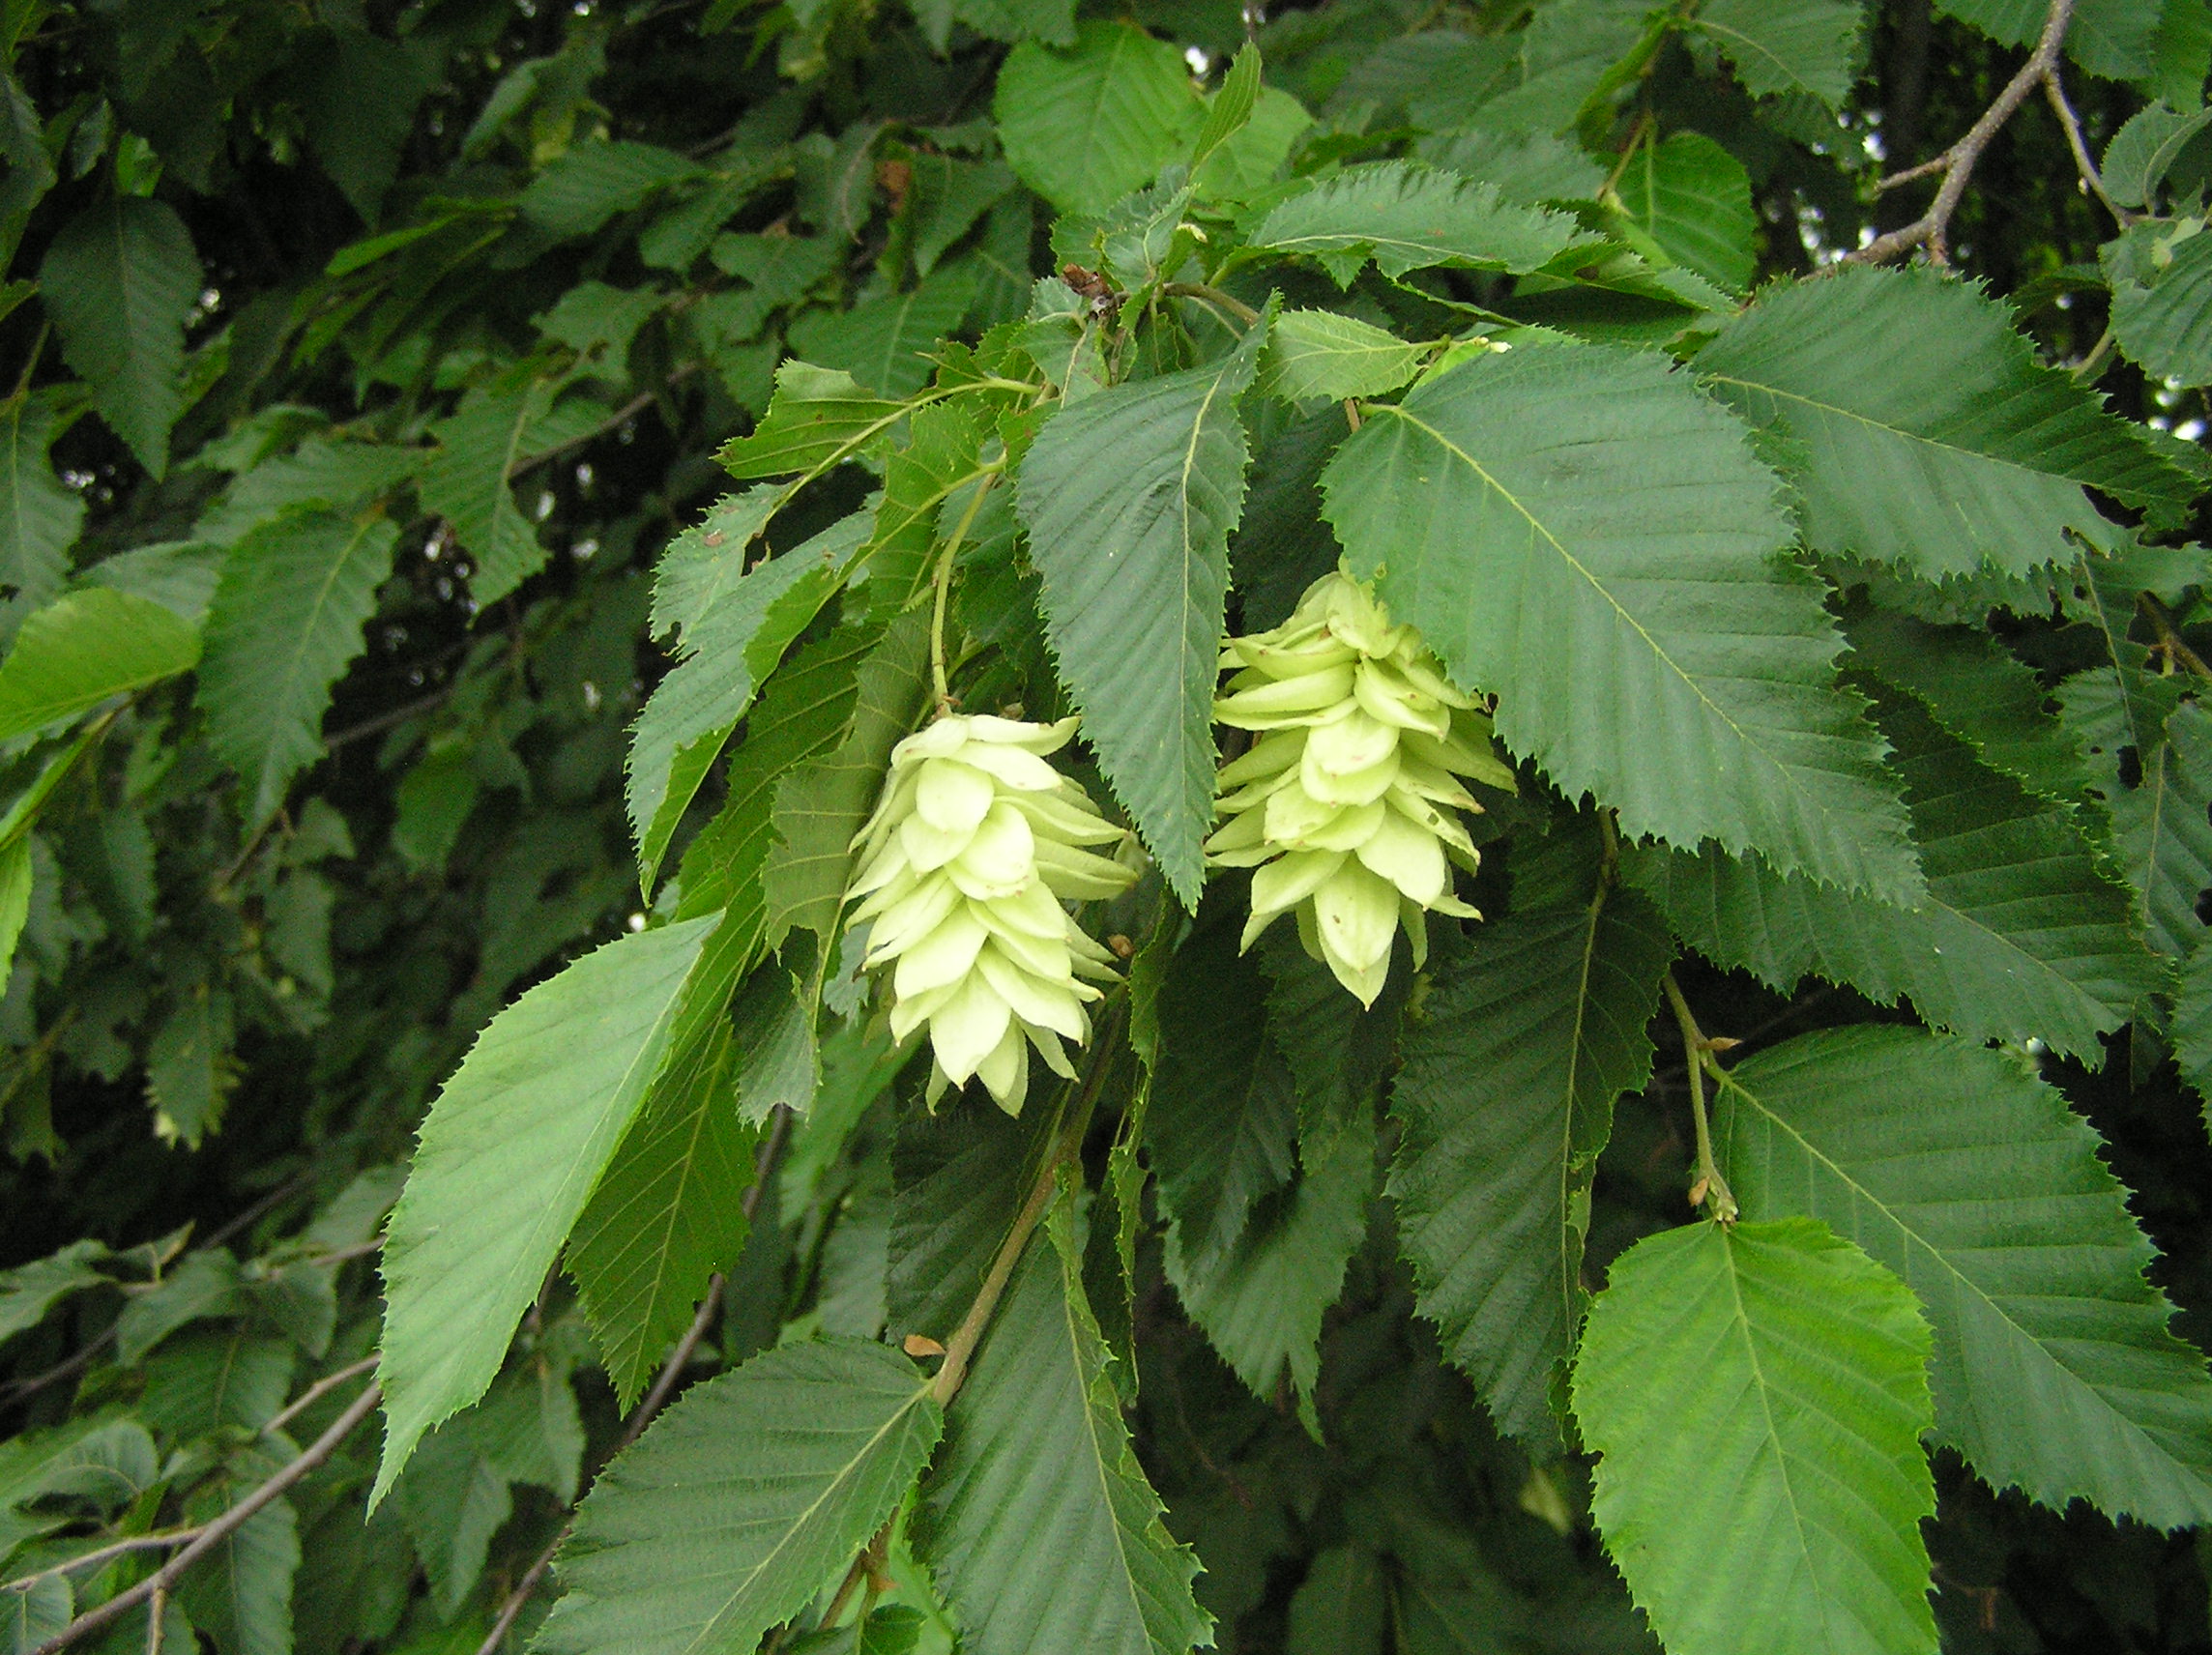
[[1347, 805], [964, 866]]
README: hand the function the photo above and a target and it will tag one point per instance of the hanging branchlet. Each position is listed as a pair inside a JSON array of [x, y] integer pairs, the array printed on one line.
[[1348, 805], [964, 867]]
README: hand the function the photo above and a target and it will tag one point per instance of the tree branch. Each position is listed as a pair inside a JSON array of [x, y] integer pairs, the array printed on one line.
[[221, 1529], [1957, 163], [2091, 178]]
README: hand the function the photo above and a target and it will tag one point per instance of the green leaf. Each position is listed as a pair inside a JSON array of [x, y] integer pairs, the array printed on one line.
[[822, 805], [2110, 38], [1052, 21], [2165, 829], [2161, 276], [39, 516], [958, 1179], [337, 474], [1980, 692], [1692, 199], [74, 653], [1221, 1125], [458, 1491], [741, 1501], [1755, 1397], [703, 563], [735, 640], [2192, 1030], [34, 1611], [1926, 433], [927, 489], [819, 414], [592, 183], [118, 280], [285, 621], [1231, 106], [198, 1384], [362, 94], [886, 344], [1780, 47], [948, 196], [1573, 53], [1128, 497], [1532, 167], [199, 1285], [179, 576], [1406, 217], [242, 1595], [2020, 935], [1528, 1037], [1261, 1302], [2148, 145], [1036, 1463], [189, 1066], [1321, 354], [1681, 674], [495, 435], [1338, 1050], [1085, 127], [2055, 1370], [805, 713], [667, 1215], [28, 1292], [103, 1458], [1248, 162], [510, 1151]]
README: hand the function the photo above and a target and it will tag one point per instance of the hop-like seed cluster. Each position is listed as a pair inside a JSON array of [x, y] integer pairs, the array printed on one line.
[[964, 866], [1347, 804]]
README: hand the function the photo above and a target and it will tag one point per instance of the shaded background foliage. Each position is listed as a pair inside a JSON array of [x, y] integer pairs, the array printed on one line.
[[569, 244]]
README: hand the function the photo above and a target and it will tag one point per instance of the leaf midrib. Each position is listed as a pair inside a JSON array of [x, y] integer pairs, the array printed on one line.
[[1774, 1435], [1124, 1576], [290, 677], [1659, 652], [1569, 1267], [1738, 39], [835, 1482], [1897, 431], [1914, 1239]]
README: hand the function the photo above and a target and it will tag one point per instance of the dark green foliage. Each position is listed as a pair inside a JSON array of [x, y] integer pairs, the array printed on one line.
[[487, 487]]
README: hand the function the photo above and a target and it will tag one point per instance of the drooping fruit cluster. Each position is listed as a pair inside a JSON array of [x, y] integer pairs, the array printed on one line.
[[1346, 807], [964, 866]]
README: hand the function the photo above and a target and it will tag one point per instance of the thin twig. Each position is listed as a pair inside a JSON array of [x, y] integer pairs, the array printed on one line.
[[1062, 1141], [941, 580], [315, 1393], [1711, 1190], [221, 1529], [31, 361], [764, 1167], [1957, 163], [163, 1542], [2170, 640], [385, 720], [635, 406], [1214, 297], [20, 1389], [2092, 180]]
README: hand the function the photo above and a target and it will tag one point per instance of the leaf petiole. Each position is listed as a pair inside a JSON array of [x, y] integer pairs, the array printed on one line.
[[1710, 1190]]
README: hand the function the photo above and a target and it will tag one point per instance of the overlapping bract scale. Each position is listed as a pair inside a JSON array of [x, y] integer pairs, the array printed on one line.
[[1347, 807], [964, 867]]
